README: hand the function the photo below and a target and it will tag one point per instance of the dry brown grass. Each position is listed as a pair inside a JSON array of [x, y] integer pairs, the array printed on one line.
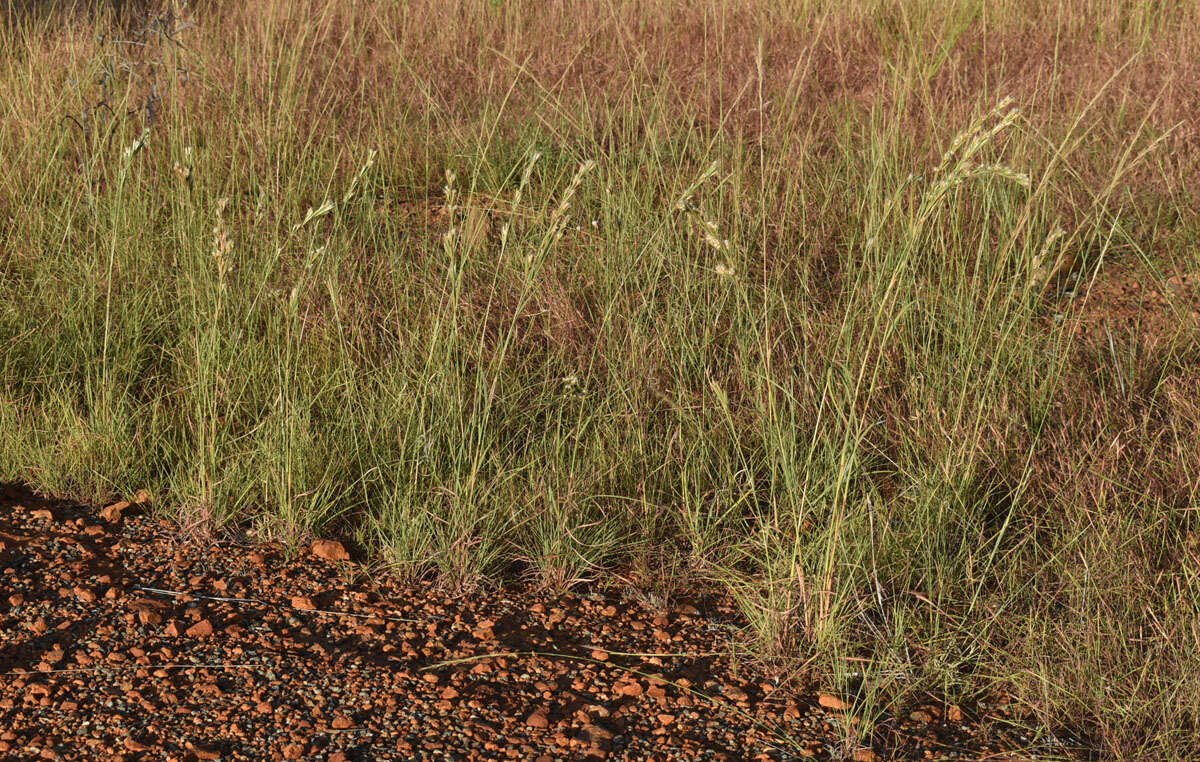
[[1028, 463]]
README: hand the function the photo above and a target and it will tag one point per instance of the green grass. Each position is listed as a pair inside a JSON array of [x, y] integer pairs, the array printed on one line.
[[499, 293]]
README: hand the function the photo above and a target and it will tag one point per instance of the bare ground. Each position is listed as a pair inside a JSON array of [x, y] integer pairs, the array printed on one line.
[[119, 641]]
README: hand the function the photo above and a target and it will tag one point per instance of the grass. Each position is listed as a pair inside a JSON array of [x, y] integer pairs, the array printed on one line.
[[785, 298]]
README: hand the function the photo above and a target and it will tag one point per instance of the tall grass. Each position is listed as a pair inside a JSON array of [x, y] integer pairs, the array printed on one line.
[[762, 296]]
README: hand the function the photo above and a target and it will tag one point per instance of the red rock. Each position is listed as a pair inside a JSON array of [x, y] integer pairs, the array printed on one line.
[[146, 616], [173, 629], [42, 513], [600, 655], [134, 745], [735, 693], [38, 626], [142, 497], [954, 713], [484, 633], [256, 558], [829, 701], [632, 689], [341, 722], [200, 629], [865, 755], [303, 603], [665, 719], [16, 599], [429, 677], [330, 550], [205, 754], [449, 693], [293, 751], [538, 720], [792, 712], [112, 514], [84, 594], [597, 734], [338, 756], [264, 708]]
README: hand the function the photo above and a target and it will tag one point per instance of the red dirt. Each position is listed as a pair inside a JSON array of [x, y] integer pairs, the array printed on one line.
[[119, 642], [1129, 301]]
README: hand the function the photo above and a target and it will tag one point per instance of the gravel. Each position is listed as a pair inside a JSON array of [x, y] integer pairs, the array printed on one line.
[[120, 641]]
